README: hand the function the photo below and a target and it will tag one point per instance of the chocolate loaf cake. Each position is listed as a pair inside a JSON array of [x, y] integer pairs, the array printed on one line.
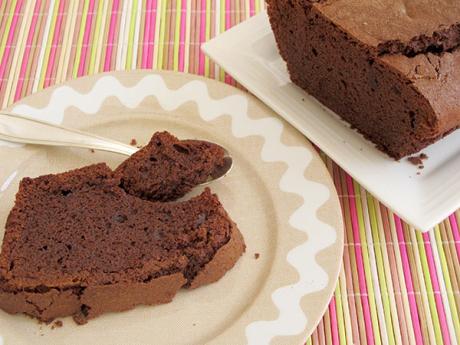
[[79, 244], [167, 168], [391, 68]]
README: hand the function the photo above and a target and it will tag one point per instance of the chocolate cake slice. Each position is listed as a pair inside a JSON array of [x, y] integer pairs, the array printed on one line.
[[79, 244], [391, 68], [167, 168]]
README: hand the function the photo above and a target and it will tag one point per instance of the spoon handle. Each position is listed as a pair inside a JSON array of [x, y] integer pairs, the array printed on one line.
[[21, 129]]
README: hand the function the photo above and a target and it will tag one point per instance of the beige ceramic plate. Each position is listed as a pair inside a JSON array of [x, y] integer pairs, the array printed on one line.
[[279, 193]]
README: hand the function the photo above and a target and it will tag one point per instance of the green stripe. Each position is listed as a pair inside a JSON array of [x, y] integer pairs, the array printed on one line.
[[339, 315], [222, 29], [177, 35], [445, 271], [367, 265], [97, 31], [132, 28], [429, 288], [49, 42], [7, 29], [80, 39], [381, 270], [161, 39]]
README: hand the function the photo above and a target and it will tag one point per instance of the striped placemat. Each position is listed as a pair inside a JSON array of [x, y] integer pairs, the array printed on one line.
[[397, 286]]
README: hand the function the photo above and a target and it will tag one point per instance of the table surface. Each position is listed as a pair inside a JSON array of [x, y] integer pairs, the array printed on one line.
[[397, 286]]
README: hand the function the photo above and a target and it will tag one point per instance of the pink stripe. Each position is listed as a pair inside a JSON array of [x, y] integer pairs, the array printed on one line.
[[228, 79], [145, 49], [436, 289], [228, 17], [111, 38], [334, 325], [9, 41], [54, 44], [182, 36], [252, 7], [25, 59], [84, 48], [409, 284], [153, 21], [202, 36], [456, 233], [360, 265]]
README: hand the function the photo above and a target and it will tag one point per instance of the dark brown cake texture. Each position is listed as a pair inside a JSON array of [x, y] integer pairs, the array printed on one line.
[[79, 244], [391, 68], [167, 168]]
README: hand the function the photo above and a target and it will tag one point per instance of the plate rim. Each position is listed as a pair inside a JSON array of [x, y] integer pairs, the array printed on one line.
[[315, 156]]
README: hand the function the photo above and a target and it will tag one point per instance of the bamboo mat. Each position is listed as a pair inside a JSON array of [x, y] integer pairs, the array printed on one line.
[[397, 286]]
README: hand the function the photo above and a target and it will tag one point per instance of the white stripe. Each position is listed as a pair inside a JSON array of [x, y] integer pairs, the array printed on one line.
[[388, 278], [124, 54], [442, 285], [137, 30], [157, 35], [118, 64], [217, 21], [345, 307], [262, 5], [43, 46], [373, 266], [68, 38]]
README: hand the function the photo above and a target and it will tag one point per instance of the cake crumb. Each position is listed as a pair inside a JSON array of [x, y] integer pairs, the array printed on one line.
[[421, 166], [133, 142], [418, 160], [418, 172], [256, 256], [415, 160], [56, 324], [91, 150]]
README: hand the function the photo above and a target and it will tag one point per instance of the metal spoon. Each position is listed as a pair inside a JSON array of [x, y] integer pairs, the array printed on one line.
[[21, 129]]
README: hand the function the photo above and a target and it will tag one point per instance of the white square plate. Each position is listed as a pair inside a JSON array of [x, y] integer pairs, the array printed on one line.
[[249, 53]]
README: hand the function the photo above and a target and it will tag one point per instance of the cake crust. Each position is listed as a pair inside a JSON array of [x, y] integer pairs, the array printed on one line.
[[101, 299]]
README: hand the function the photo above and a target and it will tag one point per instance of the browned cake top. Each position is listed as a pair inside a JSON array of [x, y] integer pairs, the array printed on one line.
[[437, 77], [80, 228], [407, 26], [167, 168], [416, 39]]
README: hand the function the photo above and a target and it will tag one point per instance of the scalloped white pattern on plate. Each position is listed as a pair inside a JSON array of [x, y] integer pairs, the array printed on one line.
[[291, 319]]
